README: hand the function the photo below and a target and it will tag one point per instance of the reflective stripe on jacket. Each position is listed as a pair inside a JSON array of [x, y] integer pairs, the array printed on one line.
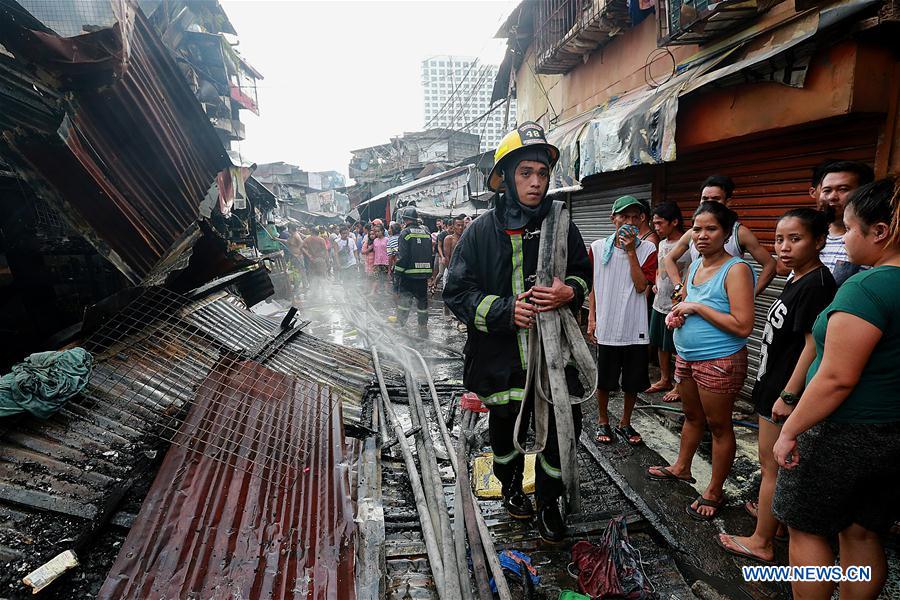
[[489, 268]]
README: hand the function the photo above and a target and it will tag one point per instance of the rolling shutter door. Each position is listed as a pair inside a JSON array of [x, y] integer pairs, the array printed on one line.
[[771, 175], [592, 206]]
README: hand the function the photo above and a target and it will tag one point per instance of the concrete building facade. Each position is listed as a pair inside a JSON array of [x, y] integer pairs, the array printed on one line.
[[457, 91]]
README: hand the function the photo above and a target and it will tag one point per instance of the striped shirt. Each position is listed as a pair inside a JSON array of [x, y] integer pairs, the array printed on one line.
[[393, 245]]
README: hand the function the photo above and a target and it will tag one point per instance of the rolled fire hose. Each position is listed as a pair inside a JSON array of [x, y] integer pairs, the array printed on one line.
[[555, 341]]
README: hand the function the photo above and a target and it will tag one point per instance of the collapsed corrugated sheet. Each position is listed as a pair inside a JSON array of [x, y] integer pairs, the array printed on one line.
[[57, 477], [253, 501], [134, 154], [346, 370]]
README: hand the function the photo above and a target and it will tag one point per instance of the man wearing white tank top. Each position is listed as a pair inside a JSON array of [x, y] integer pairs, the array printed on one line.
[[719, 188]]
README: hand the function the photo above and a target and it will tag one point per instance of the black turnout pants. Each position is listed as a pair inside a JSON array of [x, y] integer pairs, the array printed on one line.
[[412, 290], [509, 464]]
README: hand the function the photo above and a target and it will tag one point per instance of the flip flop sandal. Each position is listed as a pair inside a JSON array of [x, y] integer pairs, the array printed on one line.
[[628, 432], [667, 475], [605, 431], [743, 552], [701, 501], [655, 389]]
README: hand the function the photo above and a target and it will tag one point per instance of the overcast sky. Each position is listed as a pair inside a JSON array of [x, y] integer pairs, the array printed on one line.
[[345, 75]]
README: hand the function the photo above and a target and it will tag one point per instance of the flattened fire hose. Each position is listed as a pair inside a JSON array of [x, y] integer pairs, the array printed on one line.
[[556, 341]]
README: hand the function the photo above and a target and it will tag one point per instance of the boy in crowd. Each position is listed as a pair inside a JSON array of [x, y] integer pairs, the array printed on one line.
[[617, 317], [839, 180]]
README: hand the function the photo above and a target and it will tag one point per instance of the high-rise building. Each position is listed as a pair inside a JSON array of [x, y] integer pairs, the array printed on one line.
[[457, 90]]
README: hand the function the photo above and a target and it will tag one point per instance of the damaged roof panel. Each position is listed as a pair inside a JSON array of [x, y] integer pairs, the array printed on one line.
[[135, 154], [251, 501]]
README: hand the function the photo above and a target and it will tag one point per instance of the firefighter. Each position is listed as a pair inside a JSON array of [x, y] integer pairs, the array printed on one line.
[[490, 288], [413, 267]]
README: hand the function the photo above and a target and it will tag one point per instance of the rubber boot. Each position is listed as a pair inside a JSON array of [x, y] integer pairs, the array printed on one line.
[[516, 501], [550, 522]]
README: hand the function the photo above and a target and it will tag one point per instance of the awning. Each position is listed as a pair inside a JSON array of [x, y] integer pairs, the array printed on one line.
[[639, 127]]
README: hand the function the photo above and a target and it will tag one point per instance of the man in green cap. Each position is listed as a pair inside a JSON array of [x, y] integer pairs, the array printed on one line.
[[617, 317]]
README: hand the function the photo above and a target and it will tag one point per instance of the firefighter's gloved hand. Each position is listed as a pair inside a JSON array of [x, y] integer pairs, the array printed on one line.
[[524, 311], [550, 298]]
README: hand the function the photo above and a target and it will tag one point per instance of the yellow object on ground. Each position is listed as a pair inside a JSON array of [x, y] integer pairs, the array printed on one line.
[[487, 486], [392, 319]]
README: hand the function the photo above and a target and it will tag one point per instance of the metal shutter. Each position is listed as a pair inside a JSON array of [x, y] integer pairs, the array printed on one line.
[[771, 174], [592, 206]]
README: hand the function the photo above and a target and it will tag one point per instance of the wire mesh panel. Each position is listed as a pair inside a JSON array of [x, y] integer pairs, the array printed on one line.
[[176, 371]]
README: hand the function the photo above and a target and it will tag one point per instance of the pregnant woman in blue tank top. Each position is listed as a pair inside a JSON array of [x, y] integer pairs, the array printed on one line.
[[711, 330]]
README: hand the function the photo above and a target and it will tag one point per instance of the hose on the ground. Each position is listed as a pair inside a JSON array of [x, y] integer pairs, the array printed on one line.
[[435, 559], [555, 340], [679, 410], [434, 490], [460, 469]]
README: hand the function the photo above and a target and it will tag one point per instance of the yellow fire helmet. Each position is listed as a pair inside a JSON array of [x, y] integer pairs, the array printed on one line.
[[526, 135]]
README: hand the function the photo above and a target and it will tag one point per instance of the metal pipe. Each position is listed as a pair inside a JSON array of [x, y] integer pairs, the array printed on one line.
[[476, 548], [431, 548], [484, 534], [431, 474]]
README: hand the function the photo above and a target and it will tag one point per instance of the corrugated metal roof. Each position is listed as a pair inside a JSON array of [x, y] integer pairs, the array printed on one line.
[[57, 476], [253, 501], [135, 154]]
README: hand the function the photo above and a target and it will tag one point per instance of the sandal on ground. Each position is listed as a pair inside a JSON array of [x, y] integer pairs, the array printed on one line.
[[629, 433], [606, 431], [741, 550], [701, 501], [667, 475], [657, 388], [672, 396]]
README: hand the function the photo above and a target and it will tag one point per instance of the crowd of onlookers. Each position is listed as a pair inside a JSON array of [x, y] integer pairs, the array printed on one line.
[[362, 252], [827, 387]]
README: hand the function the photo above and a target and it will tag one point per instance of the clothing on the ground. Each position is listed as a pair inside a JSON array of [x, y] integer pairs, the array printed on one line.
[[621, 311], [723, 375], [847, 474], [788, 321], [412, 291], [44, 381], [625, 364], [698, 339], [664, 286], [660, 335], [509, 464], [489, 267], [834, 256], [414, 253], [873, 296], [732, 245], [381, 254]]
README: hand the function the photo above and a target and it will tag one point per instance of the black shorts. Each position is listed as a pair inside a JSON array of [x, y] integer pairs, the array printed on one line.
[[847, 474], [628, 363]]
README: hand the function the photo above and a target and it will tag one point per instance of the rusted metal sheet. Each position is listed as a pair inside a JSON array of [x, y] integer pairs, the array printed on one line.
[[134, 154], [251, 501], [58, 477]]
